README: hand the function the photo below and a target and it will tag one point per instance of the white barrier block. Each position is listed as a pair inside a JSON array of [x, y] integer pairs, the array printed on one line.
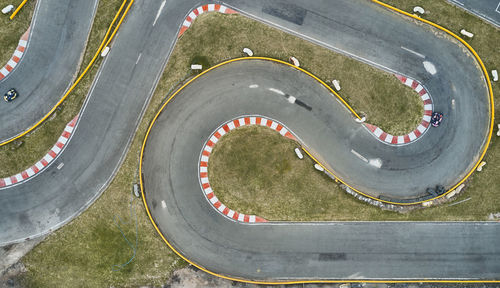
[[418, 9], [299, 153], [294, 61], [466, 33], [336, 84], [248, 51], [105, 51], [7, 9], [318, 167]]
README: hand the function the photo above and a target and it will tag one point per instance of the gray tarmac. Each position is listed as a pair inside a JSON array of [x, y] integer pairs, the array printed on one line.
[[340, 250], [488, 10], [58, 37]]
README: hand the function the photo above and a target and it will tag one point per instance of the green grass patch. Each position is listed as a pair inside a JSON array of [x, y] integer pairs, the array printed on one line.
[[12, 30]]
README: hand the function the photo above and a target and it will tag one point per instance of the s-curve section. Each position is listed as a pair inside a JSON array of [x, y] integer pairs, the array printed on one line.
[[283, 251]]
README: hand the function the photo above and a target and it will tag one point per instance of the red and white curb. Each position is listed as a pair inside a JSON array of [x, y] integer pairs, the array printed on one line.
[[202, 9], [16, 57], [49, 157], [207, 150], [421, 128]]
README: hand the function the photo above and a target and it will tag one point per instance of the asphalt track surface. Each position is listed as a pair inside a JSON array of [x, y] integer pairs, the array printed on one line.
[[489, 10], [58, 37], [274, 251]]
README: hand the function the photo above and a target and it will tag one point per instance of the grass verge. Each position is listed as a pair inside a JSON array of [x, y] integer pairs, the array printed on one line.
[[83, 253], [12, 30]]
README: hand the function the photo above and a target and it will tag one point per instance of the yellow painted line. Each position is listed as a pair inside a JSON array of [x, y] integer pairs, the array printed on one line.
[[104, 42], [17, 9], [490, 90], [253, 281]]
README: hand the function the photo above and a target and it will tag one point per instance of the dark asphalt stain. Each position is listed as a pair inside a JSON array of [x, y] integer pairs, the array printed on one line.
[[331, 256], [286, 11]]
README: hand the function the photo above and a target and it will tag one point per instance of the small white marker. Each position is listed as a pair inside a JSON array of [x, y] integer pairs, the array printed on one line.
[[291, 99], [248, 51], [60, 166], [299, 153], [318, 167], [163, 204], [253, 86]]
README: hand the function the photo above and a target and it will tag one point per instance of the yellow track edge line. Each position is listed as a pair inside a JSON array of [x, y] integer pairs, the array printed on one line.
[[17, 9], [104, 42], [490, 91], [255, 281]]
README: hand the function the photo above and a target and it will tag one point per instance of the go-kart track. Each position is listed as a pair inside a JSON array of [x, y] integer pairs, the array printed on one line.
[[271, 252]]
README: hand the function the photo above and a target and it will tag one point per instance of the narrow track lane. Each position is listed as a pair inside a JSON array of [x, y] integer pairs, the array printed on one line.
[[57, 41]]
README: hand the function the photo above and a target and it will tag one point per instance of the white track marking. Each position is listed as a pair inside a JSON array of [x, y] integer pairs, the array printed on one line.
[[429, 67], [60, 166], [163, 204], [498, 8], [138, 58], [276, 91], [413, 52], [359, 156], [253, 86], [159, 11]]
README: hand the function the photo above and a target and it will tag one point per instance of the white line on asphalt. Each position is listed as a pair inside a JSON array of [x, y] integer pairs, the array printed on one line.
[[253, 86], [159, 11], [359, 156], [60, 166], [163, 204], [324, 44], [276, 91], [413, 52], [140, 54], [498, 8]]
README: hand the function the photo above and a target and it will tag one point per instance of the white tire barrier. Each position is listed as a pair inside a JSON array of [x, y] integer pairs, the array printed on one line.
[[299, 153], [248, 51], [7, 9], [466, 33]]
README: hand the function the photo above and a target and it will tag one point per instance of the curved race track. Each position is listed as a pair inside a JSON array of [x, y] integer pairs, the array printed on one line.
[[276, 251], [58, 36]]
